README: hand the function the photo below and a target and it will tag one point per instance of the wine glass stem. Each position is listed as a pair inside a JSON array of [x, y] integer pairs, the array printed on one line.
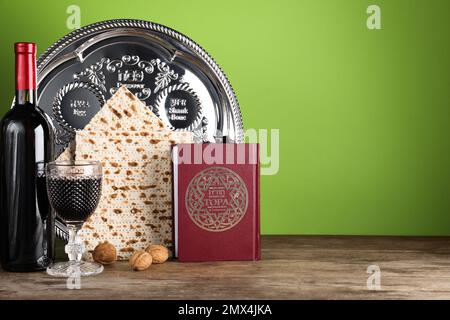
[[74, 248], [45, 238]]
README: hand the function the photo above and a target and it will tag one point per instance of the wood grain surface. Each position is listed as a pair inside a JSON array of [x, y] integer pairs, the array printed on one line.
[[293, 267]]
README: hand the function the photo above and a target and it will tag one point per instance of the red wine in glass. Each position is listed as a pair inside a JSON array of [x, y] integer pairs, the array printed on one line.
[[74, 198]]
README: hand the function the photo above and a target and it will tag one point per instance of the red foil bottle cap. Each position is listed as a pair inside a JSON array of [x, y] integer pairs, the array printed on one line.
[[25, 65], [25, 47]]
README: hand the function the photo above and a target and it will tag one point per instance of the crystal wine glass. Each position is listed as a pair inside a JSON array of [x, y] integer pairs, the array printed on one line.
[[74, 190]]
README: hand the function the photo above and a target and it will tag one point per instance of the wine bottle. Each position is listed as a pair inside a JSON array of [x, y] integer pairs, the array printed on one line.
[[26, 228]]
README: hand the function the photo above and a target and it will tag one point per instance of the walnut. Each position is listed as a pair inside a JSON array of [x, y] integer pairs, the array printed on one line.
[[140, 260], [105, 253], [159, 253]]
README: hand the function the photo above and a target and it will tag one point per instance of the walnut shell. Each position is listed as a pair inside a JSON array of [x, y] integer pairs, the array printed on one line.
[[140, 260], [104, 253], [159, 253]]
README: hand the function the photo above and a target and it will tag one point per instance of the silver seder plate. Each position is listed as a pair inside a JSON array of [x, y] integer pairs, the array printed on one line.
[[166, 70]]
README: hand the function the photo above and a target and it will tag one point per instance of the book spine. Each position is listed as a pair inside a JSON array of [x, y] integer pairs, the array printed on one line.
[[175, 213], [257, 253]]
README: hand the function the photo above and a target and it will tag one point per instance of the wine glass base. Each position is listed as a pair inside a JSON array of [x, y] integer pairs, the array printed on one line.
[[74, 269]]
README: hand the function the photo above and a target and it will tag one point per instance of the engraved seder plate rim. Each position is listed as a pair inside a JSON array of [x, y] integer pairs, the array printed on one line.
[[53, 53]]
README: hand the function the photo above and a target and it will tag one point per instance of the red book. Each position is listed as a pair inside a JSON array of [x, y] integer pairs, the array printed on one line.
[[216, 202]]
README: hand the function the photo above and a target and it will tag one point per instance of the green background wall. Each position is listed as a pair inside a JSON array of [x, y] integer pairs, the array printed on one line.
[[364, 115]]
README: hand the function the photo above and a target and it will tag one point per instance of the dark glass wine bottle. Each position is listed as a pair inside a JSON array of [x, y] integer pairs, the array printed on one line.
[[26, 228]]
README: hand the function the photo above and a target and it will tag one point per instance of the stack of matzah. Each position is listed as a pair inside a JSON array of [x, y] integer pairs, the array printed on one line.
[[134, 147]]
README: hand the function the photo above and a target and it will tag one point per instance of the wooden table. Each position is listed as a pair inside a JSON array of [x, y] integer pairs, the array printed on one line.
[[293, 267]]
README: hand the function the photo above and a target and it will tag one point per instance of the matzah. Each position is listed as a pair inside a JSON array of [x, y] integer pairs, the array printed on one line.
[[134, 148]]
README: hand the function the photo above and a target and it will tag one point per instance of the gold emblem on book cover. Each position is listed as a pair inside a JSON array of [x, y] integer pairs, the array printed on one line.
[[216, 199]]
